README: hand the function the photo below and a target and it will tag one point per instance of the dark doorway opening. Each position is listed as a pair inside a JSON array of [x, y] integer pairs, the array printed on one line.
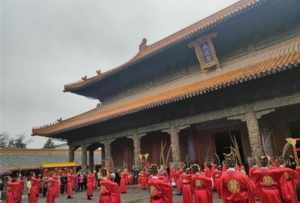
[[295, 132], [223, 142]]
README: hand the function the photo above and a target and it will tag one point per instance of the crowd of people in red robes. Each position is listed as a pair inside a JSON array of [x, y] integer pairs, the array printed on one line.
[[268, 182], [66, 182]]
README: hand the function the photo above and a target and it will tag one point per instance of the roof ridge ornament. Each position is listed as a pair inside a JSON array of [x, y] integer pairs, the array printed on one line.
[[84, 78], [99, 72], [143, 45]]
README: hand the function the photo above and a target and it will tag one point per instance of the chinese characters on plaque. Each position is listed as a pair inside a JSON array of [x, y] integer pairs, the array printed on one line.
[[205, 52]]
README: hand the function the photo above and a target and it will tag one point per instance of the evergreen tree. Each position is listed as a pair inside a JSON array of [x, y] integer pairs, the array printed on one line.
[[49, 144]]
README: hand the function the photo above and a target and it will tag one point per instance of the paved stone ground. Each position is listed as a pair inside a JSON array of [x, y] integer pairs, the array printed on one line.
[[134, 195]]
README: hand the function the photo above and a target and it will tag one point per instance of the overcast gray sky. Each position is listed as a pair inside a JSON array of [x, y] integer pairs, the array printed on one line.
[[46, 44]]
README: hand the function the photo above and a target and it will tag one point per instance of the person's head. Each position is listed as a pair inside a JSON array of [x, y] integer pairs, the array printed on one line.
[[230, 160], [153, 170], [264, 161], [103, 172], [209, 164], [188, 170], [291, 163], [195, 168]]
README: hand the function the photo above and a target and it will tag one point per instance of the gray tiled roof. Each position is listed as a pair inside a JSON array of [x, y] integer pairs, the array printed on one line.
[[21, 159]]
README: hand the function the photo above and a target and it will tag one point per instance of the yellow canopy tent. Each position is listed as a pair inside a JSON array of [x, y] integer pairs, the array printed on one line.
[[59, 164]]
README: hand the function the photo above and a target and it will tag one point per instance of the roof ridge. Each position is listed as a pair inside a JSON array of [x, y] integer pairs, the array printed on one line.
[[169, 40], [247, 71]]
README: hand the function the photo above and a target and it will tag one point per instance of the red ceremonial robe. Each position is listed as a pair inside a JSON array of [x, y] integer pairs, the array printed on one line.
[[216, 178], [94, 181], [210, 171], [56, 185], [266, 181], [298, 174], [160, 191], [51, 190], [70, 186], [130, 179], [90, 185], [235, 187], [187, 196], [173, 175], [124, 182], [143, 180], [287, 186], [115, 193], [20, 189], [179, 180], [105, 190], [202, 186], [10, 192], [34, 191], [74, 181]]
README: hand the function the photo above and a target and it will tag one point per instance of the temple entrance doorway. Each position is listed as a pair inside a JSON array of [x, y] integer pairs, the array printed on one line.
[[225, 140], [122, 153], [295, 129], [157, 145]]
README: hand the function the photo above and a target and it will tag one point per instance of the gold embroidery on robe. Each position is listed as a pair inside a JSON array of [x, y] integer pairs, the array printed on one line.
[[199, 183], [268, 181], [233, 186]]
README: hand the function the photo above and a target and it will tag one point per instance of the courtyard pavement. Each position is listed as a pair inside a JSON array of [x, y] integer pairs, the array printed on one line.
[[134, 195]]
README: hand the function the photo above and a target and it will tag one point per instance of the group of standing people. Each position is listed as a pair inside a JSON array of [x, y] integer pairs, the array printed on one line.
[[268, 183], [54, 184]]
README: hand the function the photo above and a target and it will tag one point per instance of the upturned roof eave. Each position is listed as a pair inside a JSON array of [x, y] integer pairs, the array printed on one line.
[[165, 43]]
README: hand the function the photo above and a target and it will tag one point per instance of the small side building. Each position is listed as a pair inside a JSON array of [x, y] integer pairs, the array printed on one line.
[[32, 159]]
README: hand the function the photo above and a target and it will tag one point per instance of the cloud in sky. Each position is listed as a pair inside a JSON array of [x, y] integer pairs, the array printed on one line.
[[46, 44]]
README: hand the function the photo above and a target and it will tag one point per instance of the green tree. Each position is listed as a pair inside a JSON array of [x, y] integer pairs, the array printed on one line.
[[3, 140], [49, 144], [18, 142]]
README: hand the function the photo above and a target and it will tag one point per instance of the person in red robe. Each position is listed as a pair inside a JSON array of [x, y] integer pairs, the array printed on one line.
[[178, 180], [56, 184], [288, 185], [209, 169], [234, 184], [216, 179], [12, 186], [106, 186], [115, 193], [17, 191], [186, 177], [90, 185], [20, 189], [160, 191], [298, 174], [94, 180], [143, 179], [267, 182], [33, 194], [202, 186], [173, 175], [70, 186], [51, 189], [124, 181], [74, 180]]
